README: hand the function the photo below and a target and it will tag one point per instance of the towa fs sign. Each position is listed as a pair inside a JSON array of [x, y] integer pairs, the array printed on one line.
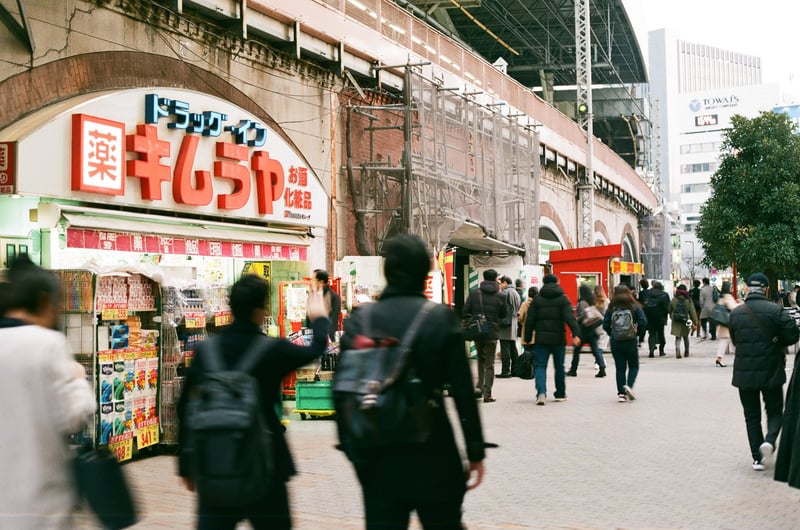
[[171, 150]]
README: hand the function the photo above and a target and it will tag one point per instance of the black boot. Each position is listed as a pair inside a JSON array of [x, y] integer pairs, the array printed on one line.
[[572, 373], [601, 372]]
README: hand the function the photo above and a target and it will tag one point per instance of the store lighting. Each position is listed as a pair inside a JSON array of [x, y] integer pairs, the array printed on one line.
[[16, 196]]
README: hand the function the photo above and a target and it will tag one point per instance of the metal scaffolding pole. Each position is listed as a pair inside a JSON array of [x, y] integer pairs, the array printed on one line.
[[585, 120]]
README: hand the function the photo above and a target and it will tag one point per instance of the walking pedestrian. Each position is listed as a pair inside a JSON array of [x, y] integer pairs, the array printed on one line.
[[523, 313], [622, 322], [44, 397], [333, 303], [684, 319], [508, 328], [695, 294], [589, 322], [547, 316], [708, 297], [641, 296], [723, 334], [248, 302], [601, 303], [656, 309], [759, 329], [429, 477], [487, 300]]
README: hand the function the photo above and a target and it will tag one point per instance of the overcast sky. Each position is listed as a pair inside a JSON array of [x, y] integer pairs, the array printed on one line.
[[767, 28]]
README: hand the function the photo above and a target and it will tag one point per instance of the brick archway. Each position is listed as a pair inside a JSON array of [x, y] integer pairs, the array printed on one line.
[[547, 210]]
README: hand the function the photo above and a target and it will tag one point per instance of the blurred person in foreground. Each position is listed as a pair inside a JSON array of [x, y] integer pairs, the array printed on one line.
[[760, 329], [44, 397], [248, 302], [429, 477]]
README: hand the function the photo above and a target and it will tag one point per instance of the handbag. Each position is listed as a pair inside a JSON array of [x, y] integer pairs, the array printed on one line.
[[524, 367], [100, 480], [476, 326], [720, 315], [592, 317]]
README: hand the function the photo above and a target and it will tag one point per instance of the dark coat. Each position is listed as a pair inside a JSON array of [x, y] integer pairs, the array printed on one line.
[[280, 359], [334, 302], [787, 463], [656, 314], [438, 359], [760, 361], [487, 299], [548, 315]]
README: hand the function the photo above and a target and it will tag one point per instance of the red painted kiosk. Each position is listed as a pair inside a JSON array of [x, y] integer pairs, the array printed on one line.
[[592, 266]]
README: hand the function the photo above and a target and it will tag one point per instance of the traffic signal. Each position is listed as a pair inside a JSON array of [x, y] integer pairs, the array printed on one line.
[[582, 109]]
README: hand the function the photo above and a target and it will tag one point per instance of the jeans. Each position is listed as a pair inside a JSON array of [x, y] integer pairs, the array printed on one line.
[[486, 350], [626, 359], [594, 345], [542, 352], [751, 404], [270, 514], [508, 355]]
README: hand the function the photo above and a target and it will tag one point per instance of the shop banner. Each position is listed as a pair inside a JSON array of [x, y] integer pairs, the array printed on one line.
[[626, 267], [7, 167], [155, 244]]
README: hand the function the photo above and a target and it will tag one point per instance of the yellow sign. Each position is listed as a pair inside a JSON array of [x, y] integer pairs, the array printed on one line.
[[114, 312], [223, 318], [626, 267], [194, 319], [147, 436], [121, 446]]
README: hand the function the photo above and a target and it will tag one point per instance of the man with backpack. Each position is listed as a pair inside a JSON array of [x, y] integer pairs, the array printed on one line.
[[232, 448], [407, 460], [656, 309]]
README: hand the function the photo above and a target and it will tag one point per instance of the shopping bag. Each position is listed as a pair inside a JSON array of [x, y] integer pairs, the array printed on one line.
[[101, 482]]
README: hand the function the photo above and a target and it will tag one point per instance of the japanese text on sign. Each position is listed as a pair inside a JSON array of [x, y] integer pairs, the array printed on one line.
[[194, 319], [121, 446], [114, 312]]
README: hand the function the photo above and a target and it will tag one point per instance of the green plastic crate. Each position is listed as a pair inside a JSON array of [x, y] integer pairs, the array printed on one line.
[[315, 395]]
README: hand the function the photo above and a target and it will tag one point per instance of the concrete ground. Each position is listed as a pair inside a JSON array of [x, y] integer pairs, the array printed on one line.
[[677, 457]]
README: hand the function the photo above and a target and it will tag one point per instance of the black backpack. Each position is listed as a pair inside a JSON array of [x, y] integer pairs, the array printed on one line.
[[379, 399], [229, 442], [681, 311]]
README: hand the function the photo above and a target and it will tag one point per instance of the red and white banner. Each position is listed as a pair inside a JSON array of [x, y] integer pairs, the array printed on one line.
[[154, 244]]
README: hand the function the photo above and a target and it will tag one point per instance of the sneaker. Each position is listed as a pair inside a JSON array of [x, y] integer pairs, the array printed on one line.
[[621, 398], [560, 399], [765, 450], [628, 392], [541, 399], [757, 465]]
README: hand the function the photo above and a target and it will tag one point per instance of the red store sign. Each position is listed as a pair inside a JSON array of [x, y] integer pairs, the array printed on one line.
[[176, 151]]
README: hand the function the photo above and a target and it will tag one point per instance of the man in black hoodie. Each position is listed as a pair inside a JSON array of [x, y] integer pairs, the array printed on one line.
[[488, 300], [549, 312]]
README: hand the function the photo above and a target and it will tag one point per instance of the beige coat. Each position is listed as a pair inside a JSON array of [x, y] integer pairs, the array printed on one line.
[[523, 311]]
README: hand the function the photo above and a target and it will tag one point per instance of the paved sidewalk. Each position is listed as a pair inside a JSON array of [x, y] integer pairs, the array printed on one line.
[[677, 457]]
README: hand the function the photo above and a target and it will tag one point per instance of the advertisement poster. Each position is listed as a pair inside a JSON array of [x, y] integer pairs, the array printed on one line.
[[128, 385]]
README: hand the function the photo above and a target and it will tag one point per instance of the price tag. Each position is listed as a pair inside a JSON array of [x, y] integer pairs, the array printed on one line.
[[114, 312], [147, 435], [223, 318], [194, 319], [187, 358], [121, 446]]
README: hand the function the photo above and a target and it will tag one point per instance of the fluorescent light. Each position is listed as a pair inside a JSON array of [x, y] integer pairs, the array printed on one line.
[[398, 29], [416, 40], [445, 59], [430, 49]]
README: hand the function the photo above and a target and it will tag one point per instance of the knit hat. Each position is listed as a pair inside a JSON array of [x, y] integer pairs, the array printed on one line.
[[550, 278]]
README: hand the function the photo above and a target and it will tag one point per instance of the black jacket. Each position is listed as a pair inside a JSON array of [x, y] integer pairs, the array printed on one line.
[[336, 309], [787, 463], [280, 359], [437, 356], [760, 361], [658, 312], [548, 315], [487, 299]]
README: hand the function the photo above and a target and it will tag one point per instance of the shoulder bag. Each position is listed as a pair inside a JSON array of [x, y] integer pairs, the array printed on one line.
[[476, 326], [101, 482], [720, 314]]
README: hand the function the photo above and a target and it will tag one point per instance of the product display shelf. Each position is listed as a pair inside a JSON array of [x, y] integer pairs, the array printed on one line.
[[171, 384]]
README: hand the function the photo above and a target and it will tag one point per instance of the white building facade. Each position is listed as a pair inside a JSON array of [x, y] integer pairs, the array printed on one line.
[[695, 90]]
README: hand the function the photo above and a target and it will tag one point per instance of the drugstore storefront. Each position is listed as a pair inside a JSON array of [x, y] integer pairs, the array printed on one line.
[[149, 202]]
